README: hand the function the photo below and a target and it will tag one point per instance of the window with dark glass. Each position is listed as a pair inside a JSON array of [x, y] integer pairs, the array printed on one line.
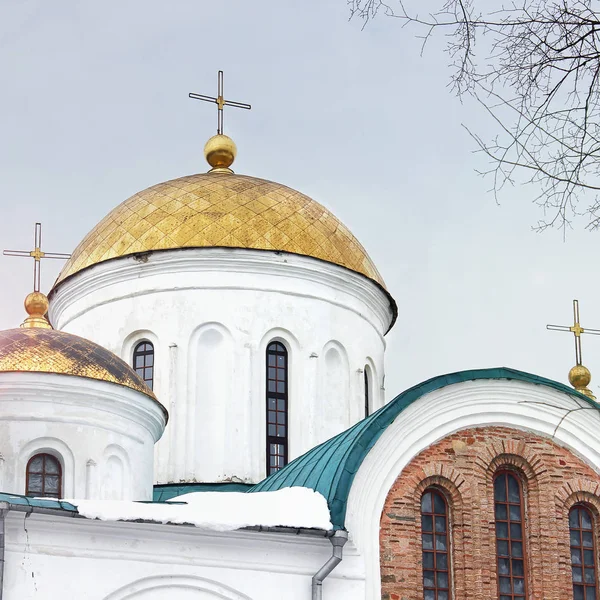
[[143, 362], [435, 545], [44, 477], [367, 399], [583, 553], [277, 407], [510, 545]]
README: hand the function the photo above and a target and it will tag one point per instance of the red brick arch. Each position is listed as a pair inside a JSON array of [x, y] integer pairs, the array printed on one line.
[[463, 466]]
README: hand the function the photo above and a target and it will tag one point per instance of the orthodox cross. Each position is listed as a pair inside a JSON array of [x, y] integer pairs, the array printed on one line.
[[37, 255], [220, 102], [576, 329]]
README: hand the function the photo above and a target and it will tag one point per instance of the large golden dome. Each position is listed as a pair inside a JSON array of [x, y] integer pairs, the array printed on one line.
[[45, 350], [221, 209]]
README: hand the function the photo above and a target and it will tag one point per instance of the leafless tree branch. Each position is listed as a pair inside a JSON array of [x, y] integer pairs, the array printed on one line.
[[536, 72]]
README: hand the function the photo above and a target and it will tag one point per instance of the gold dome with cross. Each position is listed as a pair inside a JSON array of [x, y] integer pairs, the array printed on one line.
[[221, 209]]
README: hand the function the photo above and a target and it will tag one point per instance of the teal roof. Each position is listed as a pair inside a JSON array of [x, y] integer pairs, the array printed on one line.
[[17, 500], [330, 468], [166, 491]]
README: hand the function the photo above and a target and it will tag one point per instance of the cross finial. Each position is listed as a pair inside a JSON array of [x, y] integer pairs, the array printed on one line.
[[579, 376], [37, 255], [576, 329], [220, 102]]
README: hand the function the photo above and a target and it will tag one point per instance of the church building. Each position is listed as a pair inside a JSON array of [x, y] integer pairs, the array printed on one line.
[[196, 411]]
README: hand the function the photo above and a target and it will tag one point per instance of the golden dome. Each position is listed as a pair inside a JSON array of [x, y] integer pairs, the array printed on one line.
[[220, 152], [49, 351], [221, 209], [580, 377], [36, 305]]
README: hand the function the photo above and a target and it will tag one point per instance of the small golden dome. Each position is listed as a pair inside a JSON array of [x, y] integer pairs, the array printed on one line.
[[221, 209], [580, 376], [36, 306], [50, 351], [220, 152]]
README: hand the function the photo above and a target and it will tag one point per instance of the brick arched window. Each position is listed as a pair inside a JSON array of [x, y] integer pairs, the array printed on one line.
[[583, 553], [44, 476], [143, 362], [510, 539], [277, 407], [435, 546]]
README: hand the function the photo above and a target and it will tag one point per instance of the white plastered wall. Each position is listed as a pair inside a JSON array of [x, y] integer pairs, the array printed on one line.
[[210, 314], [59, 557], [103, 434]]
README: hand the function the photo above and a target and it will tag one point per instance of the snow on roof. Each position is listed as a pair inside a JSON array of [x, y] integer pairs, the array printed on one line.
[[296, 507]]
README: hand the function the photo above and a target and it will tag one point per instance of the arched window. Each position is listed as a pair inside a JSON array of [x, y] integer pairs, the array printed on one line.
[[367, 384], [435, 545], [277, 407], [510, 545], [44, 476], [583, 553], [143, 362]]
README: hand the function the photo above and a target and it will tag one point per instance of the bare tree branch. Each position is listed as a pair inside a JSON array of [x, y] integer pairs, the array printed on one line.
[[536, 72]]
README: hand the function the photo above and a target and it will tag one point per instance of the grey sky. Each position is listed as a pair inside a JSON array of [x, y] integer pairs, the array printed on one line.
[[94, 107]]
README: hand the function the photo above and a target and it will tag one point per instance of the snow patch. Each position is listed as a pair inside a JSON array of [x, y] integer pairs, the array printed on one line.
[[220, 511]]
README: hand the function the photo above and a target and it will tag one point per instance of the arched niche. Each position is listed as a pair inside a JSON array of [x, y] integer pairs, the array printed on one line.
[[211, 380], [333, 400]]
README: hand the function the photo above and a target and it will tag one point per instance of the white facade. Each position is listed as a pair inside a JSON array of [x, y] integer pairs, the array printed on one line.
[[53, 557], [210, 314], [102, 434], [51, 554]]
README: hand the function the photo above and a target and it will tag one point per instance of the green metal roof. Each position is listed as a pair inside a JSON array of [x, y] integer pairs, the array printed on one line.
[[166, 491], [17, 500], [330, 468]]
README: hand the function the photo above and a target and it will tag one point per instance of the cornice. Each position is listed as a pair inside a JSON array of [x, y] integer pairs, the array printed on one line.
[[103, 398], [340, 280]]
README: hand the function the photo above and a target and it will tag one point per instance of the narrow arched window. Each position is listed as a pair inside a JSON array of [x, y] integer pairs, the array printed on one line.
[[44, 476], [583, 553], [367, 385], [143, 362], [510, 543], [277, 407], [435, 545]]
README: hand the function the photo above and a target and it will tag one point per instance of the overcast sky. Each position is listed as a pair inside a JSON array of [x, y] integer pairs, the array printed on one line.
[[94, 107]]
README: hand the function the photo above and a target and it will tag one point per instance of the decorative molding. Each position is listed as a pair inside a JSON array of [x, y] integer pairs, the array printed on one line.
[[94, 396], [238, 262], [170, 583]]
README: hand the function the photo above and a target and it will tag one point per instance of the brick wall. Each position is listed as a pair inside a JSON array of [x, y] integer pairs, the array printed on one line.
[[463, 467]]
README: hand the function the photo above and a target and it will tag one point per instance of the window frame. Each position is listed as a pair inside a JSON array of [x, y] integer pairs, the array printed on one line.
[[507, 472], [144, 353], [582, 548], [436, 491], [367, 382], [42, 494], [272, 349]]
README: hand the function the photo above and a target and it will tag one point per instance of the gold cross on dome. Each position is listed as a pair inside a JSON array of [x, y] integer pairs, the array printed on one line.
[[37, 255], [220, 102], [576, 329]]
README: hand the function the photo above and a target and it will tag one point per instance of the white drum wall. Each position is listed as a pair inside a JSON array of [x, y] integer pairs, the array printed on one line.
[[210, 314], [103, 434]]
